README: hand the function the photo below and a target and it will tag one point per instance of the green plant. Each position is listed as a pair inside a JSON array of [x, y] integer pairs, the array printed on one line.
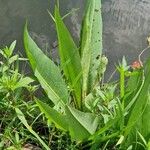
[[128, 128], [106, 115], [68, 91], [135, 104], [13, 90]]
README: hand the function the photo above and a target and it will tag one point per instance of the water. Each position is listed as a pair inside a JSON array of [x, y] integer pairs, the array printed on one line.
[[14, 13], [126, 25]]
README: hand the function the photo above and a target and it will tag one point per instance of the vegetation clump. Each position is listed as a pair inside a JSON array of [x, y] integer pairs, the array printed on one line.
[[82, 110]]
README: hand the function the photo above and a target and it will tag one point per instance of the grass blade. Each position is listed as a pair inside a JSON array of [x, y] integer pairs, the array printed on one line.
[[140, 104], [24, 121]]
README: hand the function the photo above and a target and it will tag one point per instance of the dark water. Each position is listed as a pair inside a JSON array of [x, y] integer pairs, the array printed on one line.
[[14, 13], [126, 25]]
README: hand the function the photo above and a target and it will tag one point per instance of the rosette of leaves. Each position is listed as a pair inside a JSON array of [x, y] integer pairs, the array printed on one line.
[[82, 69]]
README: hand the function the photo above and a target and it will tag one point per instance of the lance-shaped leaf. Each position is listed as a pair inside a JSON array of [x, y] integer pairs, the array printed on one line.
[[81, 125], [60, 120], [91, 44], [46, 71], [85, 49], [96, 47], [70, 58]]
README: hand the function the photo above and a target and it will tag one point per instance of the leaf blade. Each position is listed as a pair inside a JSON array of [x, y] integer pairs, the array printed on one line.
[[46, 71], [22, 118], [86, 123], [91, 45], [59, 119], [70, 58]]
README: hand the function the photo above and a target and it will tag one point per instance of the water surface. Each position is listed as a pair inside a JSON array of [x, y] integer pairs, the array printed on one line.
[[126, 25]]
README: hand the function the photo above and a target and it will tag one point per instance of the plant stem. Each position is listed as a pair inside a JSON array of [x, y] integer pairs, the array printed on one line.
[[122, 83], [122, 91]]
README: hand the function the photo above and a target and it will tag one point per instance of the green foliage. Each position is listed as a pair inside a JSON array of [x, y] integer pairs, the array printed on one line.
[[12, 88], [10, 79], [24, 121], [91, 46], [73, 121], [48, 74], [59, 119], [69, 111], [70, 59], [105, 114], [95, 114]]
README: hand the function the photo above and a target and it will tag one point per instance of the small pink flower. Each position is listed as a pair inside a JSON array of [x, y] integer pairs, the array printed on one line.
[[136, 64]]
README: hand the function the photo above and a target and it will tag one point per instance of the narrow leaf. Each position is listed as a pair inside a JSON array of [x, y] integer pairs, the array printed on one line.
[[141, 101], [70, 58], [23, 82], [24, 121]]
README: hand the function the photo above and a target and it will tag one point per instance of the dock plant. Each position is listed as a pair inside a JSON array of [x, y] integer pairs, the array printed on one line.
[[81, 69], [108, 115]]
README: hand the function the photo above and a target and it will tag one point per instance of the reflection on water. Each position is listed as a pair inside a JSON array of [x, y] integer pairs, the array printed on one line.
[[126, 24]]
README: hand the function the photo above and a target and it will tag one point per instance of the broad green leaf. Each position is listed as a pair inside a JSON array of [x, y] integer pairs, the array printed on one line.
[[72, 120], [97, 63], [81, 124], [91, 45], [85, 50], [46, 71], [25, 123], [60, 120], [70, 58]]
